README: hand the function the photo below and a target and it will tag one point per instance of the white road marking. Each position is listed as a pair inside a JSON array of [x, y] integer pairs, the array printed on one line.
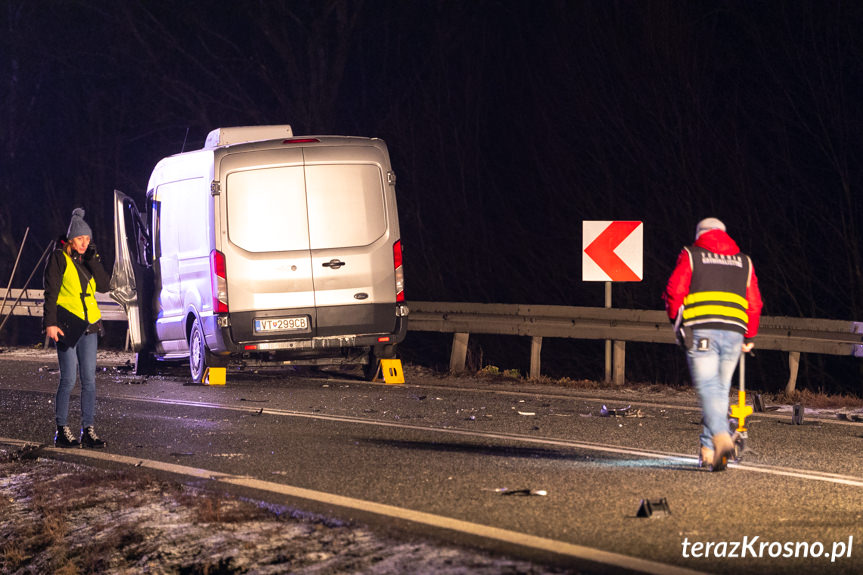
[[438, 521]]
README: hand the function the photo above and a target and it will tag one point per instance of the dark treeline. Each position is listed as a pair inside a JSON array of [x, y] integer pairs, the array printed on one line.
[[509, 123]]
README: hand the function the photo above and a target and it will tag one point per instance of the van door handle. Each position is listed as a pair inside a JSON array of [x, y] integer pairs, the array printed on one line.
[[334, 264]]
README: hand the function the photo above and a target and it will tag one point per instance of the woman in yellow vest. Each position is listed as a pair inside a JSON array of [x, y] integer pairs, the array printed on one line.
[[73, 275]]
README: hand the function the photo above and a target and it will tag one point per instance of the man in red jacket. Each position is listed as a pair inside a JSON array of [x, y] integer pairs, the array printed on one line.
[[713, 299]]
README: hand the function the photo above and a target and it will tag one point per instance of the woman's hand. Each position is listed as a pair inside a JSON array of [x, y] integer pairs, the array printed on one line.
[[54, 332]]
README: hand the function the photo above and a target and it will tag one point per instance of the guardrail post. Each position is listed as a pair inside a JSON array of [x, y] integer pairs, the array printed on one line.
[[619, 362], [608, 344], [535, 349], [459, 352], [793, 366]]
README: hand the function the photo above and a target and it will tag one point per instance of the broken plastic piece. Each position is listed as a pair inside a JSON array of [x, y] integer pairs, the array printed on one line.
[[526, 492], [126, 368], [616, 412], [653, 508]]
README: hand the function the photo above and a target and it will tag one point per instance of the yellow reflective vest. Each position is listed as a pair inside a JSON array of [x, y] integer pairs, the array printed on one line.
[[73, 298]]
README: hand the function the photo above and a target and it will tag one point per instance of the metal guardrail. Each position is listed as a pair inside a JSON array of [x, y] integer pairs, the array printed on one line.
[[29, 303], [794, 335]]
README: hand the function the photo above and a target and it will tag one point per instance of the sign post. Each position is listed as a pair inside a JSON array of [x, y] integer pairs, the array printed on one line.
[[612, 251]]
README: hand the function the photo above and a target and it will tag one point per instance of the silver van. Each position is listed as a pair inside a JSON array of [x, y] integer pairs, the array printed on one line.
[[264, 249]]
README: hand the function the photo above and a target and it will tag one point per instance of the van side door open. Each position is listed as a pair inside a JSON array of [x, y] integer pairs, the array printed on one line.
[[132, 278]]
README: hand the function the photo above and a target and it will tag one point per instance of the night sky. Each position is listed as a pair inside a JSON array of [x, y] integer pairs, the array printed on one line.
[[508, 122]]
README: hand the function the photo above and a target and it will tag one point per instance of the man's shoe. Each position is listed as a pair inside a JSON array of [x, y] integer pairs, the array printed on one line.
[[90, 439], [723, 447], [705, 457], [65, 438]]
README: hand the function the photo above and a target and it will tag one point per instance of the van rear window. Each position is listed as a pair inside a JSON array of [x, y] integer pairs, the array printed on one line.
[[296, 207], [267, 209], [346, 205]]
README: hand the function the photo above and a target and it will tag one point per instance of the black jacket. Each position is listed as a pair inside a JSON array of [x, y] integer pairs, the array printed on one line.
[[89, 265]]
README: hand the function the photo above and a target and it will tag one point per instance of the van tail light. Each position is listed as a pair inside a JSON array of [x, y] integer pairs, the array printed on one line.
[[400, 274], [301, 141], [219, 282]]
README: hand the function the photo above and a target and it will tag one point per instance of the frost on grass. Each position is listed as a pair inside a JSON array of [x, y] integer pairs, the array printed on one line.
[[66, 519]]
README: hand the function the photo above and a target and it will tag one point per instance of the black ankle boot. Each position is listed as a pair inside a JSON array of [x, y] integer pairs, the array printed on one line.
[[90, 439], [65, 438]]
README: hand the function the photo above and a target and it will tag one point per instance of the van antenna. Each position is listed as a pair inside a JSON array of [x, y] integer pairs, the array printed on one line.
[[186, 137]]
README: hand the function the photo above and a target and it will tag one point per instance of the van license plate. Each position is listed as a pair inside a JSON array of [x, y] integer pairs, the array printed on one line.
[[300, 323]]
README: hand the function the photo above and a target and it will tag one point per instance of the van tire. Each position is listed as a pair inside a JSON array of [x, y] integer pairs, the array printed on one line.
[[377, 353], [370, 369], [198, 353]]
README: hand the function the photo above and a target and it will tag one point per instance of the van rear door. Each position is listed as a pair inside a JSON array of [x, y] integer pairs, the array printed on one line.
[[267, 258], [132, 278], [350, 240]]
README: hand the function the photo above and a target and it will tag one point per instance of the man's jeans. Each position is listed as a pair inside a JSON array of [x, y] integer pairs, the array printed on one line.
[[83, 356], [712, 359]]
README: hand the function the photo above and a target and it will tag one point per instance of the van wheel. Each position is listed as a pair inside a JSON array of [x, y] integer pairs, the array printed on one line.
[[370, 369], [197, 352]]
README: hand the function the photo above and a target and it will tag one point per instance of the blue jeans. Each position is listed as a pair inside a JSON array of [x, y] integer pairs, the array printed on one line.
[[712, 359], [80, 358]]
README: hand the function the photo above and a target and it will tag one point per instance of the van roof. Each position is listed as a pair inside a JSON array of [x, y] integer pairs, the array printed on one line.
[[241, 134]]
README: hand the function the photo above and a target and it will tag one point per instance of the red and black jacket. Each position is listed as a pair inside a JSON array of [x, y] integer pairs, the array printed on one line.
[[714, 286]]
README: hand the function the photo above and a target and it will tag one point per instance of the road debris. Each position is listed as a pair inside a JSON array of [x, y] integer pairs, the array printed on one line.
[[850, 416], [653, 508], [126, 367], [522, 492], [620, 412]]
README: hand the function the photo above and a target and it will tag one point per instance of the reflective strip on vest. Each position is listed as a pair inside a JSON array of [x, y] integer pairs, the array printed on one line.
[[715, 306], [69, 297]]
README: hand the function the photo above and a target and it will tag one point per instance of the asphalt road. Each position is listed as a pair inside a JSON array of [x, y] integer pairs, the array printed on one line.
[[445, 447]]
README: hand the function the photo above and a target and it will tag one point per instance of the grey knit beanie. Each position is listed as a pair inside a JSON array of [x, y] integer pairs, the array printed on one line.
[[708, 224], [77, 226]]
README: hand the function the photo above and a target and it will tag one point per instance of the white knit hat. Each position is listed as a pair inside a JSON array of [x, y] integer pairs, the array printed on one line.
[[708, 224]]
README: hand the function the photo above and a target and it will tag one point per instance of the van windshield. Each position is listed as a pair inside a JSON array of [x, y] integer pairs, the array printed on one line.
[[313, 207]]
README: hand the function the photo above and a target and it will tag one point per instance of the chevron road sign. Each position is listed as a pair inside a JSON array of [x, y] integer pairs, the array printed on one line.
[[612, 251]]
